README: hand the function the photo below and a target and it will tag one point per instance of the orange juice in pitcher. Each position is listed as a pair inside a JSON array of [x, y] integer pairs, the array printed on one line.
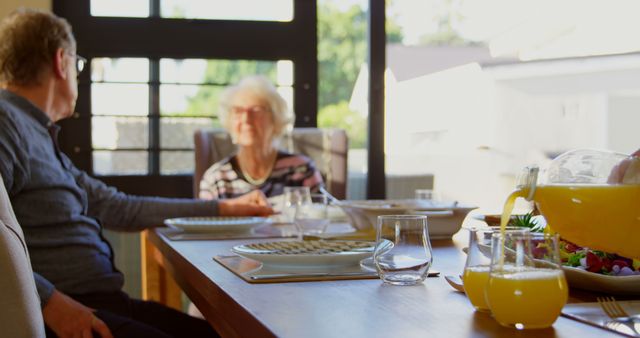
[[581, 202]]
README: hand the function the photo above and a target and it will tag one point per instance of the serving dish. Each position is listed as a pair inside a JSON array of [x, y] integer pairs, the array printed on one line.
[[444, 218], [616, 285], [216, 224], [307, 254]]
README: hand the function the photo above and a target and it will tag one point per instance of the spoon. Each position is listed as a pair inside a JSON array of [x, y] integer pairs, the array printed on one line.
[[455, 282], [329, 196]]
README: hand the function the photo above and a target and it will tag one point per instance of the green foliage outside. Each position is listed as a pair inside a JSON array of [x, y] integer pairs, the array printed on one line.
[[342, 51], [218, 75], [340, 116]]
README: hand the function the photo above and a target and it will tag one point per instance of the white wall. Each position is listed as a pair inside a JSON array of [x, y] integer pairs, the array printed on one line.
[[623, 123], [475, 132]]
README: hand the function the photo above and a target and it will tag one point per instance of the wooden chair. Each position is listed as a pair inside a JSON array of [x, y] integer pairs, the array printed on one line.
[[20, 313], [328, 148]]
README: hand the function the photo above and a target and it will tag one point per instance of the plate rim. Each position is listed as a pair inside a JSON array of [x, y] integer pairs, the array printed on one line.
[[253, 219], [337, 254]]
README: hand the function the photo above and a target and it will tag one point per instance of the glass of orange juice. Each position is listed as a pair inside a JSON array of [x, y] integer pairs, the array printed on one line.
[[526, 288], [477, 265]]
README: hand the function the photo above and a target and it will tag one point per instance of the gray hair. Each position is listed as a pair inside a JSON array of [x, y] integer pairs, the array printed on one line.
[[260, 86], [30, 39]]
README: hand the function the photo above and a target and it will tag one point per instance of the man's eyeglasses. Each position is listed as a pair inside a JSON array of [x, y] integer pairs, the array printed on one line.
[[80, 62], [253, 110]]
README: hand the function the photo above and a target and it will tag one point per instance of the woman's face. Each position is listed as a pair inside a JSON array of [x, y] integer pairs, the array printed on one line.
[[251, 120]]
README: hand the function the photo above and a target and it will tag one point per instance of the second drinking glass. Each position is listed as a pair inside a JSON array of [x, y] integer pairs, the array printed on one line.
[[478, 263], [527, 288], [403, 250], [311, 216]]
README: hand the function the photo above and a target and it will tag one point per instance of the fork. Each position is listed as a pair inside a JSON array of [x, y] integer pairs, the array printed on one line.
[[613, 309]]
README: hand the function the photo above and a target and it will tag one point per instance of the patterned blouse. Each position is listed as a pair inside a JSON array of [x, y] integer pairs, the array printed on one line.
[[224, 179]]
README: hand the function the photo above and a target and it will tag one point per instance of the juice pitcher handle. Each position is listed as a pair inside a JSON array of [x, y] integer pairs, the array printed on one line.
[[527, 181]]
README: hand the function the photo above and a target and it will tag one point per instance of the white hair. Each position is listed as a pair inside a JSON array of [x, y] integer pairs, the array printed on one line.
[[262, 87]]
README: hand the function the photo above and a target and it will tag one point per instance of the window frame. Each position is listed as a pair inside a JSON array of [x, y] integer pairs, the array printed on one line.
[[181, 39]]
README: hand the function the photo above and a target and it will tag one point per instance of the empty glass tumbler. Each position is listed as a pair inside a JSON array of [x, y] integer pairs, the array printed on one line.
[[311, 216], [403, 251], [427, 194], [293, 197]]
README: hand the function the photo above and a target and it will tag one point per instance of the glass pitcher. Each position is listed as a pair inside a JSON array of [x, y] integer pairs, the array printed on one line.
[[591, 198]]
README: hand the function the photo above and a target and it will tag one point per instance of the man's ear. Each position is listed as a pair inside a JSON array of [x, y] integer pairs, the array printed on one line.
[[59, 64]]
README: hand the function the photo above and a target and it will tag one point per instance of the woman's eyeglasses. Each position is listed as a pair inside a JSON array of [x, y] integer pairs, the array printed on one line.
[[253, 110]]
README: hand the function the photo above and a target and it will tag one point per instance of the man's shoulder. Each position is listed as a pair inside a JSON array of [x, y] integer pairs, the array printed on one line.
[[9, 111], [9, 114]]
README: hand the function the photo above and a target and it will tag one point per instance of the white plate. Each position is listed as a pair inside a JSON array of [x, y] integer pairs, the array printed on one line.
[[307, 254], [619, 285], [216, 224]]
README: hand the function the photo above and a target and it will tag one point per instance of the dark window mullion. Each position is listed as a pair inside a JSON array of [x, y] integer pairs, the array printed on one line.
[[154, 8], [154, 120]]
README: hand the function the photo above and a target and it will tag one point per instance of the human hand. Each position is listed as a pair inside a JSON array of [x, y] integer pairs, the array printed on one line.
[[68, 318], [250, 204], [627, 171]]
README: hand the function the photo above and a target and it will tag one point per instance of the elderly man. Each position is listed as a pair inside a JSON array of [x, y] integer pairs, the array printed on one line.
[[63, 210]]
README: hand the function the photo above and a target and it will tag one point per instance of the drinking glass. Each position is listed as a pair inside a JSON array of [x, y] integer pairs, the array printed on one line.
[[527, 288], [294, 196], [403, 251], [478, 263], [427, 194], [311, 216]]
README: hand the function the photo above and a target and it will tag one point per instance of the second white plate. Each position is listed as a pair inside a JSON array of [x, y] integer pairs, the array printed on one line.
[[216, 224]]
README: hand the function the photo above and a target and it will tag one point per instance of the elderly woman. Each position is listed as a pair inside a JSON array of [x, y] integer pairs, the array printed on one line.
[[256, 116]]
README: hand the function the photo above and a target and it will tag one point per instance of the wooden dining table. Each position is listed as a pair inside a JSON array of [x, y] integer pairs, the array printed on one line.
[[341, 308]]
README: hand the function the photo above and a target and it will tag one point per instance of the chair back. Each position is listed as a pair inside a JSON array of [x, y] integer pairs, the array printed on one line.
[[20, 313], [327, 148]]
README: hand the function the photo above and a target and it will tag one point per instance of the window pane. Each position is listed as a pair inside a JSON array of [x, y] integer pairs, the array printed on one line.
[[484, 105], [189, 100], [178, 132], [343, 81], [221, 72], [120, 162], [119, 99], [123, 8], [120, 70], [254, 10], [176, 162], [183, 71], [287, 95], [119, 132], [285, 73]]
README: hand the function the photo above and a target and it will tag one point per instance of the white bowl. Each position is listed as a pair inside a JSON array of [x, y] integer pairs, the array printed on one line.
[[444, 218]]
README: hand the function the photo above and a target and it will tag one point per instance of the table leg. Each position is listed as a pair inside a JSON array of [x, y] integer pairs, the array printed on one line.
[[157, 283]]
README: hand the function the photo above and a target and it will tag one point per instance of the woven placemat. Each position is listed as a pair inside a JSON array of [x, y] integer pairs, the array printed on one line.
[[252, 271]]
